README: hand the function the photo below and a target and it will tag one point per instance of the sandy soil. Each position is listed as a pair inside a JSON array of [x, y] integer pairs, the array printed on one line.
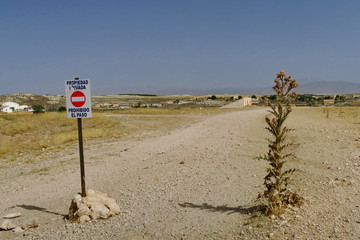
[[197, 182]]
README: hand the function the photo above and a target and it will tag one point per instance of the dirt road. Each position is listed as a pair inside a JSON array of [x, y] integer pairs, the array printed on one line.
[[196, 182]]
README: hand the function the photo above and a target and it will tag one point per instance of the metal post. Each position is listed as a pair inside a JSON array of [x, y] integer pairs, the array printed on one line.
[[82, 165]]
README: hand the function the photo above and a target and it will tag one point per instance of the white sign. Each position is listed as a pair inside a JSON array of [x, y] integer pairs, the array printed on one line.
[[78, 98]]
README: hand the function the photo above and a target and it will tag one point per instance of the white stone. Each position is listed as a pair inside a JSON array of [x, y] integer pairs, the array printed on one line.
[[114, 208], [96, 205], [12, 215], [83, 210], [84, 219], [7, 225], [99, 210], [18, 230]]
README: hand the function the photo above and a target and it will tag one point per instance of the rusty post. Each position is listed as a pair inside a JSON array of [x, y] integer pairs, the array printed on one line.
[[81, 153]]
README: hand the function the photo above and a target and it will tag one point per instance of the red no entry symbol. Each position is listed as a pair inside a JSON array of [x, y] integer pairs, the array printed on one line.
[[78, 99]]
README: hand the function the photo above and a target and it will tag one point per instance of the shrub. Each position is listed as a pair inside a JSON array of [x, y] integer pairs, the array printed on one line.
[[38, 109], [277, 194], [62, 109], [213, 97]]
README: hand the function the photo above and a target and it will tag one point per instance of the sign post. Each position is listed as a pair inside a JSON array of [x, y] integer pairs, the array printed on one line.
[[78, 105]]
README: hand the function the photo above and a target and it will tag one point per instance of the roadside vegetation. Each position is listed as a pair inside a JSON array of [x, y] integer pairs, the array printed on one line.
[[27, 133], [278, 194], [34, 133]]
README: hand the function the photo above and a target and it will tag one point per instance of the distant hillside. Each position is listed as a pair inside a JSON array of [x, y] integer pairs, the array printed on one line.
[[330, 88], [50, 102], [24, 98], [53, 102], [307, 88]]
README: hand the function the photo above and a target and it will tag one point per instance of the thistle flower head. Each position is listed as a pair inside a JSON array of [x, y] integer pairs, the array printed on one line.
[[288, 79], [281, 74], [293, 84]]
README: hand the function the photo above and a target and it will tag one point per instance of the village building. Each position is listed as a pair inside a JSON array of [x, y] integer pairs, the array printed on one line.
[[356, 96], [329, 100], [9, 107], [245, 102], [167, 103], [25, 108]]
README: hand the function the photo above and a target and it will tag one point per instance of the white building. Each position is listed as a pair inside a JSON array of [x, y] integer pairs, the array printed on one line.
[[245, 102], [25, 108], [9, 107]]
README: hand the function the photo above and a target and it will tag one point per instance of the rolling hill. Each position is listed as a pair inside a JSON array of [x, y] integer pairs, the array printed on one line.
[[330, 87]]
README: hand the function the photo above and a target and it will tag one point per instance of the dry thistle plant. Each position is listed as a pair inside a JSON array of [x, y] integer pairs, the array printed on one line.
[[277, 194]]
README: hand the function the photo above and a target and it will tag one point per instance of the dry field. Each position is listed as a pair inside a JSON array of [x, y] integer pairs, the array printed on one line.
[[327, 145], [106, 102], [26, 136], [184, 174]]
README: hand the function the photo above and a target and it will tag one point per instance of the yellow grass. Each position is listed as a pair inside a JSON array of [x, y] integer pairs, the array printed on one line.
[[27, 133], [334, 113]]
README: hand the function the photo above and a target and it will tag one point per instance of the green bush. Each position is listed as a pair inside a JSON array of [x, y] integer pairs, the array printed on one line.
[[38, 109], [213, 97]]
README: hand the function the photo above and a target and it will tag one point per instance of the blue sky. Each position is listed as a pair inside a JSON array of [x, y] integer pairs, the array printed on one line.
[[151, 46]]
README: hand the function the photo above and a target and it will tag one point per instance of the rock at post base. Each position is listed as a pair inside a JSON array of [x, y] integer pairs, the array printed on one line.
[[96, 205], [18, 230], [7, 225]]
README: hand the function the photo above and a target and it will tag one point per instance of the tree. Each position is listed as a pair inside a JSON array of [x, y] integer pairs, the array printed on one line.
[[339, 98], [213, 97], [272, 97], [38, 109], [253, 96], [277, 194]]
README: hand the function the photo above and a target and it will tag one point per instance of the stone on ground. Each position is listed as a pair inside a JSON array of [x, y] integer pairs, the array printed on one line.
[[96, 205], [7, 225], [18, 230], [12, 215]]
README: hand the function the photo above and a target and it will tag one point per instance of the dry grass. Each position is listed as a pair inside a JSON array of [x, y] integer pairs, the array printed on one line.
[[172, 111], [333, 113], [27, 133]]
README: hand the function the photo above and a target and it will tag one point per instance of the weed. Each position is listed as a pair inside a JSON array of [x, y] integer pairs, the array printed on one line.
[[277, 194]]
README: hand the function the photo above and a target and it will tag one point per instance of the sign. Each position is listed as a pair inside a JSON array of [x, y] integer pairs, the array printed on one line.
[[78, 105], [78, 98]]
